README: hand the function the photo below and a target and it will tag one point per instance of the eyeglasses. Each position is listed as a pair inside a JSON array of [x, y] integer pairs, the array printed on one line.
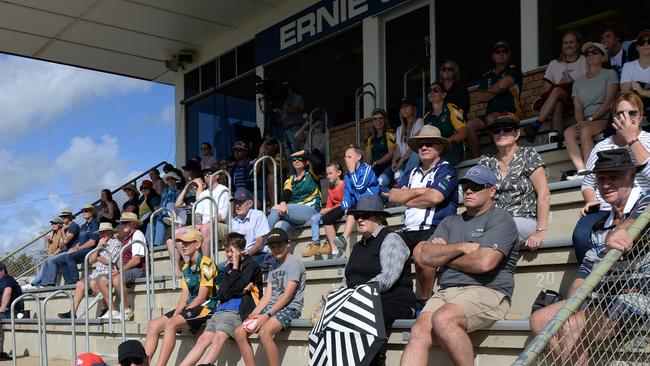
[[591, 53], [131, 361], [435, 89], [642, 41], [501, 51], [633, 113], [501, 129], [475, 187], [420, 145], [447, 68], [297, 159], [362, 216]]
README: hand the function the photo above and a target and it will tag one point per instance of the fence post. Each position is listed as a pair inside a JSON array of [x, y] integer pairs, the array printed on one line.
[[39, 318]]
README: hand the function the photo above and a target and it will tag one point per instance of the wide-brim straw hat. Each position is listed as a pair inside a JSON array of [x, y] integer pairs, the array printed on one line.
[[432, 134], [105, 226], [130, 217], [130, 187]]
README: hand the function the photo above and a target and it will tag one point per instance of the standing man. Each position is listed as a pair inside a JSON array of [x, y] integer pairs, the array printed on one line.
[[477, 254], [430, 194], [291, 115], [500, 89], [242, 170], [253, 224], [88, 238]]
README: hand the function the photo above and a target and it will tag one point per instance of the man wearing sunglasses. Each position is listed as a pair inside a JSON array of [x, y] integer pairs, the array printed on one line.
[[477, 254], [500, 89], [636, 74], [429, 192]]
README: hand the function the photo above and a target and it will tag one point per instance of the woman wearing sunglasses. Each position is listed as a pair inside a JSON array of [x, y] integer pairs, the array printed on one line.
[[627, 112], [448, 118], [592, 95], [522, 188], [456, 90]]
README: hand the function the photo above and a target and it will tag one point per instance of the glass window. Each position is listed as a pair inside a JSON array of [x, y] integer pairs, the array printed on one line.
[[246, 57], [227, 66], [192, 84], [208, 75]]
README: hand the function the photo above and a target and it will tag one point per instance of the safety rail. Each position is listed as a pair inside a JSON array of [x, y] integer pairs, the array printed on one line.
[[99, 251], [172, 214], [225, 172], [42, 361], [28, 249], [358, 96], [214, 235], [148, 282], [72, 323], [327, 131], [275, 182], [423, 76]]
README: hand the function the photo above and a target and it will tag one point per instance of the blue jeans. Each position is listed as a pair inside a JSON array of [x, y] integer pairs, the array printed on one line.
[[48, 271], [297, 214], [385, 177], [412, 162], [158, 231], [68, 265], [582, 233], [315, 228]]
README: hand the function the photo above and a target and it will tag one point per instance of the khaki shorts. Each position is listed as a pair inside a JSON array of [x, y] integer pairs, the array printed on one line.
[[482, 306]]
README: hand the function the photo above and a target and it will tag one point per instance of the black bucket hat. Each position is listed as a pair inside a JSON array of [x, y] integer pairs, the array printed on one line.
[[613, 161]]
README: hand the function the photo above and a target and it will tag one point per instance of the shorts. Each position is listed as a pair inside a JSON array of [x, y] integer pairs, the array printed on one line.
[[412, 238], [132, 274], [526, 227], [223, 321], [482, 306], [285, 316], [94, 275], [195, 317]]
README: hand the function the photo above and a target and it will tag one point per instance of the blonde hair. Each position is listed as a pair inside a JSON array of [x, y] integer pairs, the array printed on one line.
[[455, 69]]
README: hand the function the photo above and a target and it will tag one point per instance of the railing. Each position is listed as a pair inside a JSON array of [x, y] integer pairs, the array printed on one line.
[[72, 323], [148, 283], [327, 131], [275, 181], [422, 76], [29, 250], [214, 208], [358, 96], [172, 215], [224, 172], [99, 251], [607, 320], [42, 361]]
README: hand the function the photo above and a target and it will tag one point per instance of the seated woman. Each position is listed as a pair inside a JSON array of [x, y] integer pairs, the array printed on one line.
[[208, 159], [592, 97], [158, 184], [300, 198], [149, 202], [448, 119], [108, 210], [404, 158], [522, 189], [168, 198], [380, 147], [560, 73], [55, 245], [457, 93], [132, 204], [382, 257]]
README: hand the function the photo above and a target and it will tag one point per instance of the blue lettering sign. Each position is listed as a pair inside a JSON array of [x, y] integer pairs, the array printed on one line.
[[312, 24]]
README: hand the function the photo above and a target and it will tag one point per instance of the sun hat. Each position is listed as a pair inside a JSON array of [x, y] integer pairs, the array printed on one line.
[[130, 187], [130, 217], [369, 204], [105, 226], [172, 175], [66, 212], [88, 207], [599, 46], [56, 220], [612, 161], [432, 134]]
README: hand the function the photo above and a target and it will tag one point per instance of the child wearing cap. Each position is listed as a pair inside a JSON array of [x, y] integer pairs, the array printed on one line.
[[281, 303], [238, 294], [197, 301]]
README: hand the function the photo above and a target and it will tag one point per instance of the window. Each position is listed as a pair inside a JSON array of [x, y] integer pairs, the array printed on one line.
[[208, 75], [192, 84], [245, 57], [227, 66]]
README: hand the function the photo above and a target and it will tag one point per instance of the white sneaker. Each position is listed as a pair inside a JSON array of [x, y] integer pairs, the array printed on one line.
[[28, 286], [113, 314], [128, 314], [578, 175]]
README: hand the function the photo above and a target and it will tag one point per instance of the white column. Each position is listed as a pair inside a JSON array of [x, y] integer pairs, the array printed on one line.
[[180, 120], [433, 70], [259, 115], [529, 35], [372, 62]]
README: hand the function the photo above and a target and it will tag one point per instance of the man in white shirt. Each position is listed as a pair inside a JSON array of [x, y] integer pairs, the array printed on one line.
[[251, 223], [221, 196]]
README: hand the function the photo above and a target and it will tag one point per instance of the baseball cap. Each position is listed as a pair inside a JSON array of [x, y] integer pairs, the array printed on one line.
[[242, 194], [190, 234], [146, 183], [409, 101], [277, 235], [480, 174], [89, 359], [381, 111], [502, 44], [130, 349], [240, 145]]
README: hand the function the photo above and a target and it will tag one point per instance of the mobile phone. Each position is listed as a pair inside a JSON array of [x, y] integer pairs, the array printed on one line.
[[593, 208]]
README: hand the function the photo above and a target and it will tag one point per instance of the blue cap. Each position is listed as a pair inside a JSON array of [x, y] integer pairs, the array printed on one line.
[[480, 174], [242, 194]]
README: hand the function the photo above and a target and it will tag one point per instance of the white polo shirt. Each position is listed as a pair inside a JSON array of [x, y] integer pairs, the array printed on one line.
[[221, 195]]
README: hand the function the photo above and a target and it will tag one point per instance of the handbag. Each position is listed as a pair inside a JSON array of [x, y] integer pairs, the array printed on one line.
[[545, 298]]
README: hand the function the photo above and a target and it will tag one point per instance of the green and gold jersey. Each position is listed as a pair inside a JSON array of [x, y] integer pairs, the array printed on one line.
[[203, 275]]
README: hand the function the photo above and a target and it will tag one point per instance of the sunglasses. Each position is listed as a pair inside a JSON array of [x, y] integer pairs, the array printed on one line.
[[131, 361], [642, 41], [632, 113], [503, 129], [420, 145], [591, 53], [378, 118], [475, 187], [445, 68], [362, 216], [501, 51], [435, 89], [297, 159]]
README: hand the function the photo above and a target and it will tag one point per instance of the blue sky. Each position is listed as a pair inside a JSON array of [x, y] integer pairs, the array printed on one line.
[[65, 130]]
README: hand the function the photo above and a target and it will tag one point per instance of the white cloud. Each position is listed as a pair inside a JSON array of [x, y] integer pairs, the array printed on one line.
[[33, 93], [167, 115]]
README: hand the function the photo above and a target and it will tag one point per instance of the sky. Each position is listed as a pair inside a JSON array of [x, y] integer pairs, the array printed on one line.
[[66, 133]]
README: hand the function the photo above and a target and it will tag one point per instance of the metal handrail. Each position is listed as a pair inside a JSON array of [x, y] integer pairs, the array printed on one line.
[[275, 183], [357, 127], [327, 131], [120, 264], [363, 87], [423, 75], [98, 250], [72, 323], [173, 253], [39, 318], [214, 207], [222, 171], [4, 259]]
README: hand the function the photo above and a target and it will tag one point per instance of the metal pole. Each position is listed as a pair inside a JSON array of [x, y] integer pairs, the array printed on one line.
[[357, 127], [327, 131], [173, 234], [39, 314], [72, 323], [87, 286], [229, 190], [120, 264], [275, 177], [213, 207]]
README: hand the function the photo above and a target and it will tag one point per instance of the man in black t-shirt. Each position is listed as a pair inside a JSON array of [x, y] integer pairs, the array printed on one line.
[[10, 291]]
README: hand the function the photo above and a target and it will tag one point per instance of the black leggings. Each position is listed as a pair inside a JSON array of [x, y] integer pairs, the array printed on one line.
[[333, 215]]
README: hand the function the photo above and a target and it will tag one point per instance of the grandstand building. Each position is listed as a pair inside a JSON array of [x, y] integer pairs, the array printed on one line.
[[228, 60]]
